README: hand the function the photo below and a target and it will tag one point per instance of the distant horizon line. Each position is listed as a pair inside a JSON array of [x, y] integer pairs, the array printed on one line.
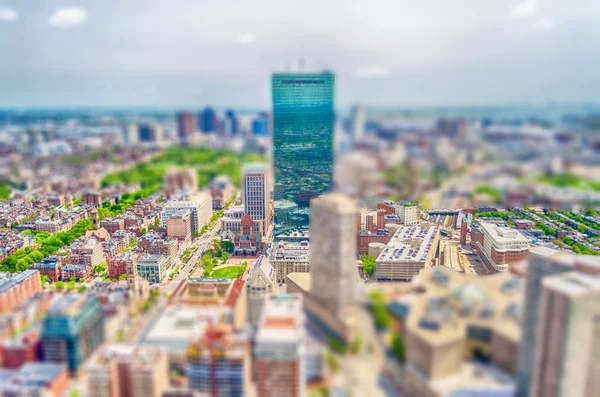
[[176, 108]]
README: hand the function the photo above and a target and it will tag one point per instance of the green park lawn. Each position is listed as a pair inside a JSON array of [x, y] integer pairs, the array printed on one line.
[[229, 271]]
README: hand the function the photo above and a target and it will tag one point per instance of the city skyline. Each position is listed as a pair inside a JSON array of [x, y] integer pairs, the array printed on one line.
[[286, 199], [393, 55]]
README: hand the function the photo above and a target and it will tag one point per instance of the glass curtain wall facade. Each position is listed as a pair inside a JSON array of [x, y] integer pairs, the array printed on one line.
[[303, 118]]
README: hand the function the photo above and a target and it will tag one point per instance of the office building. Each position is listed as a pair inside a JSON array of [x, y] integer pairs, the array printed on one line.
[[411, 249], [222, 191], [173, 327], [92, 198], [256, 195], [498, 246], [153, 267], [112, 225], [186, 125], [178, 180], [127, 371], [260, 126], [567, 356], [130, 134], [231, 222], [357, 175], [179, 226], [73, 329], [462, 334], [409, 212], [52, 226], [542, 262], [219, 363], [231, 122], [279, 351], [333, 253], [289, 257], [118, 265], [366, 239], [207, 120], [20, 349], [371, 221], [78, 272], [34, 379], [357, 118], [18, 287], [200, 205], [150, 133], [156, 244], [87, 252], [260, 283], [303, 117]]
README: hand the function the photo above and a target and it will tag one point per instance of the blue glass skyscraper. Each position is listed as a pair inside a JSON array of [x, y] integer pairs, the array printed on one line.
[[303, 117], [207, 120], [72, 331], [231, 122]]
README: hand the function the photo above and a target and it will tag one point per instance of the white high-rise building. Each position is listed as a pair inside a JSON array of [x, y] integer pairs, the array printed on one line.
[[280, 347], [356, 174], [409, 213], [567, 355], [130, 134], [333, 252], [543, 263], [256, 195], [358, 122], [199, 204]]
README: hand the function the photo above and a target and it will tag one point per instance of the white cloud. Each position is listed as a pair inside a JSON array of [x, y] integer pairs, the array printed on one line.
[[545, 23], [371, 72], [524, 9], [247, 38], [66, 18], [8, 15]]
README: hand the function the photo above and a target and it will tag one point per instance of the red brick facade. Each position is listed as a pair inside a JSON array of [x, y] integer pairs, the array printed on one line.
[[277, 378], [363, 241], [24, 286], [509, 257], [18, 352], [389, 210]]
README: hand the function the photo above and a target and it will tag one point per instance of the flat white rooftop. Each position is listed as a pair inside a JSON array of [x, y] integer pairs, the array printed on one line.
[[177, 325], [503, 234], [574, 284], [409, 244], [281, 320]]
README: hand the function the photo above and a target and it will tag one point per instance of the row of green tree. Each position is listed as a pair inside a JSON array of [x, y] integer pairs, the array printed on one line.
[[578, 247], [496, 214], [207, 162], [47, 244], [579, 218]]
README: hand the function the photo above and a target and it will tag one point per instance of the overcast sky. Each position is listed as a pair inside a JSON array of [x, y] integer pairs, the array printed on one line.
[[189, 53]]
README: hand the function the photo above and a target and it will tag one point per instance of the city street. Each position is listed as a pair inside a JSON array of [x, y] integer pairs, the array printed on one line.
[[199, 247]]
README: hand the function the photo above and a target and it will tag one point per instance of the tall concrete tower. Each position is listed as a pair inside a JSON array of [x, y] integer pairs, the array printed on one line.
[[333, 252]]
